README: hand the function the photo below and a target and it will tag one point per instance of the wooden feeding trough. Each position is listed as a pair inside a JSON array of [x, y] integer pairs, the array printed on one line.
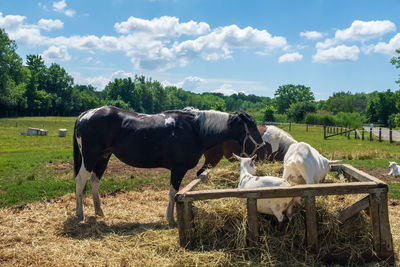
[[359, 183]]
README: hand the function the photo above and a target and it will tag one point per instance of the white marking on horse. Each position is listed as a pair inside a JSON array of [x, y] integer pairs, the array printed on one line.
[[169, 121], [89, 114], [171, 203]]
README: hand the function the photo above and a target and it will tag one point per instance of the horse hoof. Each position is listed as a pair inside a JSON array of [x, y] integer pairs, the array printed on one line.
[[172, 224], [99, 213]]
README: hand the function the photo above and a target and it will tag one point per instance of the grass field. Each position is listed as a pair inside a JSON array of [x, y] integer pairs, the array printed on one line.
[[36, 168]]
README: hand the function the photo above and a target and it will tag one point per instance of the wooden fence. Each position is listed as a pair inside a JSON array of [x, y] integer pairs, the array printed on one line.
[[376, 201], [330, 131]]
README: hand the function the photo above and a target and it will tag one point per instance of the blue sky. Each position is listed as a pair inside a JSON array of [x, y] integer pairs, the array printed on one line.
[[220, 46]]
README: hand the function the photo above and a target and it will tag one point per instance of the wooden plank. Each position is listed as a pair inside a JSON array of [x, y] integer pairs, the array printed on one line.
[[354, 209], [252, 220], [278, 192], [360, 175], [187, 220], [311, 224], [385, 242], [183, 238]]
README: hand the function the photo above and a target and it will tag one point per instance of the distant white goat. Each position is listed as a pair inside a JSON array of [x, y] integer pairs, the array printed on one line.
[[304, 164], [394, 169], [273, 206]]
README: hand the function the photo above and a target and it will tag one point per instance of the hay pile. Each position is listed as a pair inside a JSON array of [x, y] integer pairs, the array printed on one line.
[[134, 232], [222, 224]]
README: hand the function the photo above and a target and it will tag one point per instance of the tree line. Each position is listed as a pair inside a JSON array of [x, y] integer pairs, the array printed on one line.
[[34, 89]]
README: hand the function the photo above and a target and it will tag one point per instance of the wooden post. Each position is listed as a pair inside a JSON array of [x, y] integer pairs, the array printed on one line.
[[370, 133], [380, 134], [311, 224], [355, 133], [184, 214], [341, 131], [390, 135], [348, 133], [362, 134], [324, 131], [378, 210], [252, 220]]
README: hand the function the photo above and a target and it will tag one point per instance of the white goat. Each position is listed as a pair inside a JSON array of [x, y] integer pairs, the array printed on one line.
[[304, 164], [394, 169], [273, 206], [279, 140]]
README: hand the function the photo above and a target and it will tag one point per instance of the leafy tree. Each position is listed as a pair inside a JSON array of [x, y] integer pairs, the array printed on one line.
[[13, 75], [381, 106], [269, 112], [288, 94], [298, 110], [396, 62]]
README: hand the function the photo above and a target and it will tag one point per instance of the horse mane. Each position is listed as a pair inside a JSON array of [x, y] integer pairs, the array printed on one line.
[[283, 138], [211, 121]]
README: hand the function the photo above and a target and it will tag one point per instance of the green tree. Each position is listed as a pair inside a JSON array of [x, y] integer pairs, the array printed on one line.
[[298, 110], [396, 62], [288, 94], [269, 112], [13, 77]]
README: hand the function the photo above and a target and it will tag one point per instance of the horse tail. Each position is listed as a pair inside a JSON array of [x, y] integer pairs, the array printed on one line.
[[77, 153]]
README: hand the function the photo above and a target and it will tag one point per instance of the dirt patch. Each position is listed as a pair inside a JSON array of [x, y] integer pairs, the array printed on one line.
[[380, 173]]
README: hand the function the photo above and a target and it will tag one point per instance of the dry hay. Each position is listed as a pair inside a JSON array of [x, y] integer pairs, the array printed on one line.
[[134, 232], [222, 223]]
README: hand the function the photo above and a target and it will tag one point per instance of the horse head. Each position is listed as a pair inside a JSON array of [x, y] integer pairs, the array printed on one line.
[[250, 138]]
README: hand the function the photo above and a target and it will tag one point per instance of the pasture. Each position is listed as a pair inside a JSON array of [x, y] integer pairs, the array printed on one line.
[[37, 204]]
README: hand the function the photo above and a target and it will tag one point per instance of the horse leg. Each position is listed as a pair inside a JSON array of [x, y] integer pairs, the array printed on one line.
[[80, 181], [98, 172], [176, 179], [211, 158]]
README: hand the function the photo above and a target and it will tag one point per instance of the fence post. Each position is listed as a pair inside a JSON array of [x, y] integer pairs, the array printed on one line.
[[348, 133], [324, 131], [370, 133], [341, 131], [355, 133], [380, 134], [362, 134], [390, 135]]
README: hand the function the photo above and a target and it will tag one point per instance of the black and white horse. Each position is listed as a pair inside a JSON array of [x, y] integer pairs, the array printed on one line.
[[173, 139]]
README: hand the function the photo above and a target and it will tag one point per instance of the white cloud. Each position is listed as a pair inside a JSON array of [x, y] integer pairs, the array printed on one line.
[[326, 44], [190, 83], [61, 8], [365, 30], [359, 31], [290, 57], [337, 54], [56, 53], [49, 24], [227, 89], [311, 35], [390, 47], [162, 27]]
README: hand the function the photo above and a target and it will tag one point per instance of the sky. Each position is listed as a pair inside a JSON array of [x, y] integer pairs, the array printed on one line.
[[225, 46]]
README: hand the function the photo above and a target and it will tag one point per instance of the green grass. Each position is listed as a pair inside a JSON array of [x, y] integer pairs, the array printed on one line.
[[27, 163]]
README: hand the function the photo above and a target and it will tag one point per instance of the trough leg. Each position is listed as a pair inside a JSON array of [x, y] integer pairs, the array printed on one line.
[[252, 235], [185, 214], [382, 237], [311, 224]]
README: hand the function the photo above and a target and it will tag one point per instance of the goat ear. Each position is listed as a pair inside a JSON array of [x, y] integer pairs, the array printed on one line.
[[254, 157], [236, 156]]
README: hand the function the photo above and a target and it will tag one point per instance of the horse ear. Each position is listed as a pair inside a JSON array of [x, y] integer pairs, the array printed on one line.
[[236, 156]]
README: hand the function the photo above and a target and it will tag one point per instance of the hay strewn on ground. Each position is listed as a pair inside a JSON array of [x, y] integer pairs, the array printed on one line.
[[134, 232]]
